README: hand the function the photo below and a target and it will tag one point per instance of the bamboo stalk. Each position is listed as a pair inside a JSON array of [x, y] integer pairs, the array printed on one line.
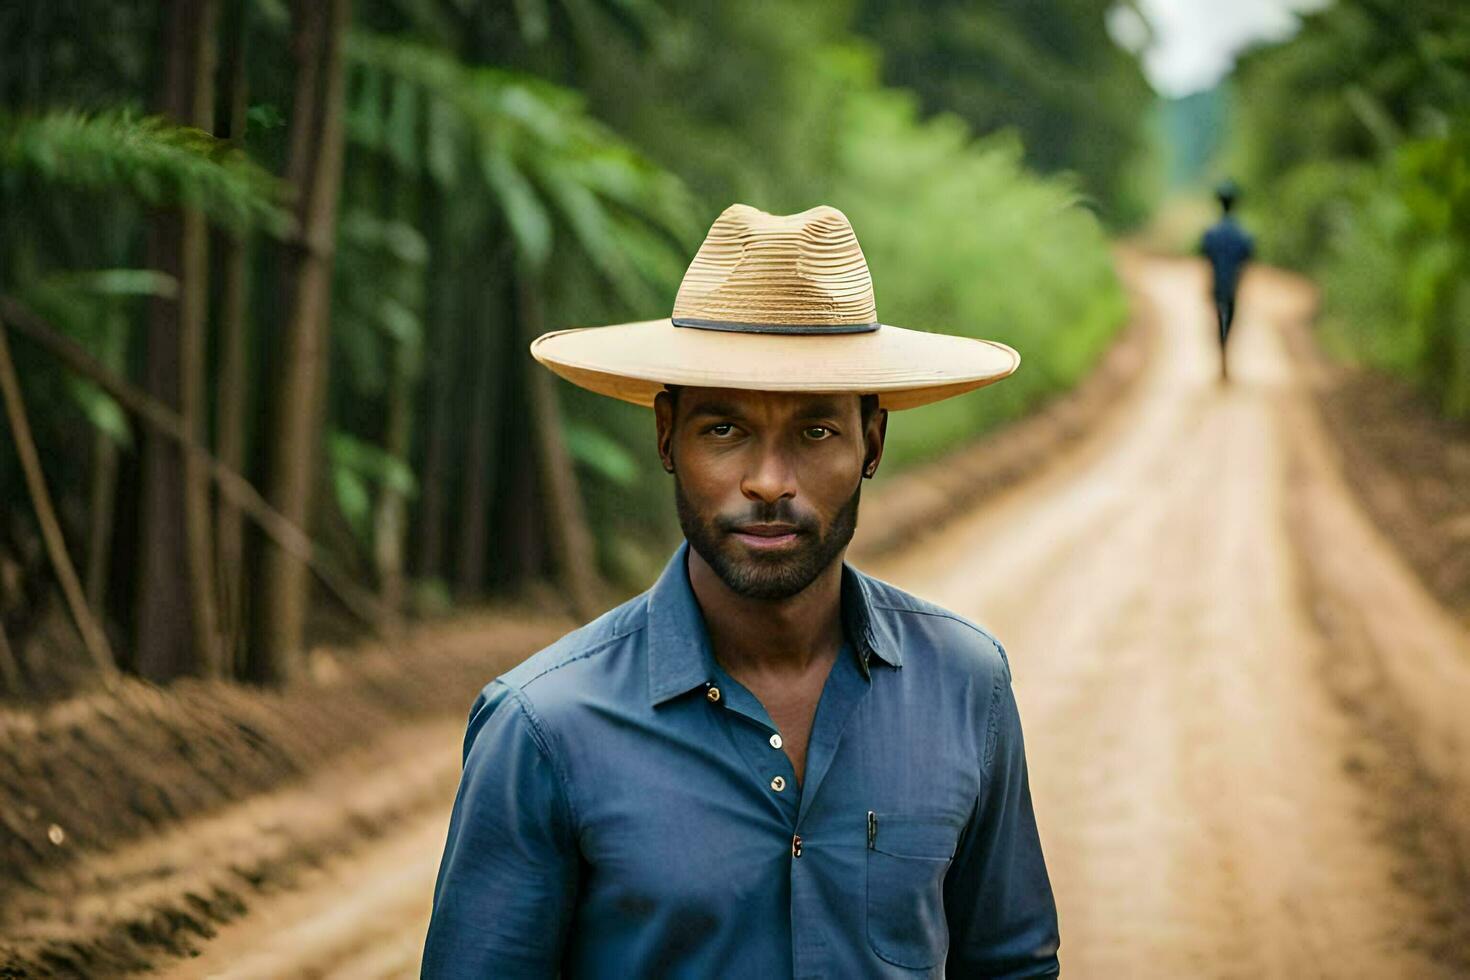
[[232, 396], [482, 439], [93, 637], [99, 536], [9, 666], [193, 313], [442, 328], [103, 491], [286, 534], [314, 170], [198, 522], [571, 536]]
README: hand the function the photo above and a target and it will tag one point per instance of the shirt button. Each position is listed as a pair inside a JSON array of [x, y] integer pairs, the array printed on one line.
[[778, 783], [713, 694], [775, 741]]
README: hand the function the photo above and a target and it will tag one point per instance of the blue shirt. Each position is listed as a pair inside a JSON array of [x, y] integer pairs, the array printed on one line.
[[625, 809], [1227, 246]]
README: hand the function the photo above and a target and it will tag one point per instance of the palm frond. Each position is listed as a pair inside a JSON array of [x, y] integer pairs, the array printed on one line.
[[532, 143], [147, 157]]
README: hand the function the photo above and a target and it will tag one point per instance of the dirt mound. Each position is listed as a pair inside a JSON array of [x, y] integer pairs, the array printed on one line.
[[91, 773], [1409, 466], [162, 897]]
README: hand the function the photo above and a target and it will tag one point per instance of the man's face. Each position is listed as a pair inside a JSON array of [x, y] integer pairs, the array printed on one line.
[[767, 483]]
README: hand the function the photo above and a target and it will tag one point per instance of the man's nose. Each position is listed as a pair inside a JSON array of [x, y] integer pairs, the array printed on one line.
[[770, 478]]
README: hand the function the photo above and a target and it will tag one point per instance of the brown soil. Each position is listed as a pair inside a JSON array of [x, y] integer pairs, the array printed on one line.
[[1398, 659], [1409, 466], [135, 908], [91, 774]]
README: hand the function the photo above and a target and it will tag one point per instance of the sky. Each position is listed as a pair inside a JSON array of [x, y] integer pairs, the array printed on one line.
[[1195, 41]]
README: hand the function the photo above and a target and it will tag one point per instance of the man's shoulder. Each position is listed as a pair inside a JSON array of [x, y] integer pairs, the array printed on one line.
[[926, 628], [539, 689], [579, 649]]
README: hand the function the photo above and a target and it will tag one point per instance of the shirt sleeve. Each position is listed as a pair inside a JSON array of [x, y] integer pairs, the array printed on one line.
[[997, 896], [508, 878]]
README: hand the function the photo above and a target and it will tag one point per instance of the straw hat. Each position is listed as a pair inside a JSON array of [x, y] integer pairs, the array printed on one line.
[[775, 303]]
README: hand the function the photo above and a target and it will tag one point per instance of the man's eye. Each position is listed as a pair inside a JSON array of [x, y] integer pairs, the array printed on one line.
[[721, 429], [817, 432]]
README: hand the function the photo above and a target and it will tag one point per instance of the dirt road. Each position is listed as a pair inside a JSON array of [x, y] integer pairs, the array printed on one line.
[[1197, 763], [1248, 727]]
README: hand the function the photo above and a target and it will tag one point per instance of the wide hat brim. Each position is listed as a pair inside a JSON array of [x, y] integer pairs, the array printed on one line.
[[904, 368]]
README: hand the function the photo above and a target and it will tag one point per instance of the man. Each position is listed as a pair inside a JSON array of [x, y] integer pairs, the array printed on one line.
[[769, 764], [1227, 246]]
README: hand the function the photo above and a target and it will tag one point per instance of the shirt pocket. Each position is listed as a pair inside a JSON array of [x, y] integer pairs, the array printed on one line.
[[907, 859]]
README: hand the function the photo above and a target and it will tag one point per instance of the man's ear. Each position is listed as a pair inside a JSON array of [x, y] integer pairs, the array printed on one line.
[[663, 420], [873, 436]]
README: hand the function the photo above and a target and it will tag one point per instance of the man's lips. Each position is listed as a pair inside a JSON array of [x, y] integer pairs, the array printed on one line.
[[766, 537]]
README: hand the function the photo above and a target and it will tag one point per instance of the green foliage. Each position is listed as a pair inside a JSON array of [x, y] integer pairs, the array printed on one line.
[[542, 159], [378, 303], [756, 124], [358, 468], [74, 53], [154, 160], [92, 307], [1398, 273], [1049, 71], [601, 454], [1353, 149], [961, 239]]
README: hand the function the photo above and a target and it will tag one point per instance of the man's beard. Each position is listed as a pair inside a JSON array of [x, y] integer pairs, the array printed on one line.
[[773, 576]]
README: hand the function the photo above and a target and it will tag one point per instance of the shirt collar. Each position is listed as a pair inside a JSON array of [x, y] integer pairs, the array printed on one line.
[[679, 654]]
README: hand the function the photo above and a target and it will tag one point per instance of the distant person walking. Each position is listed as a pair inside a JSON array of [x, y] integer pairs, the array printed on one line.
[[1227, 246]]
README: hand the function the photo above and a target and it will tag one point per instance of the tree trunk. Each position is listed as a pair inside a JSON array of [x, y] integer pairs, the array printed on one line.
[[573, 550], [390, 516], [99, 531], [10, 679], [176, 625], [233, 396], [91, 631], [167, 423], [442, 338], [104, 484], [314, 169], [487, 380]]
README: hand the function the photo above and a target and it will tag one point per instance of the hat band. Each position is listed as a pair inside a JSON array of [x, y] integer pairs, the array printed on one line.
[[802, 328]]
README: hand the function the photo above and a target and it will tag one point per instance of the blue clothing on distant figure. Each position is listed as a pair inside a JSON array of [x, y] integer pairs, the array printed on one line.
[[1227, 246], [626, 809]]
